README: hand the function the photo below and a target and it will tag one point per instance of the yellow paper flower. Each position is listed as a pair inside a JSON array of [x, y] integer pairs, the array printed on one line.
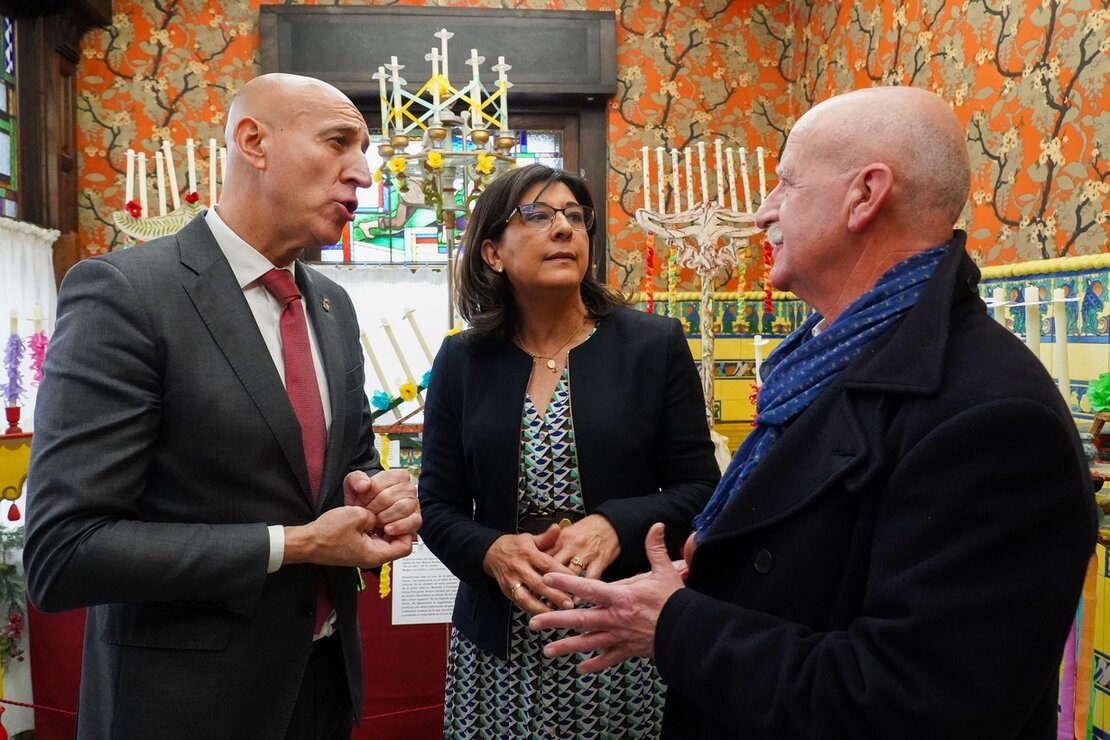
[[485, 163], [396, 165], [378, 175], [407, 390], [435, 160]]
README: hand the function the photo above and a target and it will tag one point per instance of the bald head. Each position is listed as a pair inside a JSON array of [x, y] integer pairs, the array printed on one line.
[[277, 98], [911, 130]]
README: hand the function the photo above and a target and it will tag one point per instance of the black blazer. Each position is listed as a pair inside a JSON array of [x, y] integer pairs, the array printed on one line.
[[644, 452], [164, 444], [907, 559]]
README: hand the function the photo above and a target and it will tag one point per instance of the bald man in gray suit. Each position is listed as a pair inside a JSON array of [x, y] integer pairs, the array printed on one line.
[[170, 488]]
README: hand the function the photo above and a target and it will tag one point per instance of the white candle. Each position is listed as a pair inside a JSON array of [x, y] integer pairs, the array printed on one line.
[[660, 180], [762, 174], [394, 69], [1060, 349], [443, 34], [475, 63], [377, 369], [744, 177], [160, 175], [689, 160], [434, 57], [731, 179], [647, 178], [719, 169], [702, 179], [409, 378], [211, 172], [129, 184], [191, 159], [223, 165], [36, 318], [757, 346], [383, 101], [171, 173], [419, 335], [1032, 320], [503, 86], [142, 185], [674, 182], [998, 298], [15, 321]]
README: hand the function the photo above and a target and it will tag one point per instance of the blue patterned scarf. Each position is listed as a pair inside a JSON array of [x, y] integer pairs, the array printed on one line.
[[800, 368]]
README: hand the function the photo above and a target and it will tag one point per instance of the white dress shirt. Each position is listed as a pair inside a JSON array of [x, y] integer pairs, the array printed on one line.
[[248, 265]]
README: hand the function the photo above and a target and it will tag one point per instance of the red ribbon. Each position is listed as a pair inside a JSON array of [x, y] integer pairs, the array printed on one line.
[[768, 261]]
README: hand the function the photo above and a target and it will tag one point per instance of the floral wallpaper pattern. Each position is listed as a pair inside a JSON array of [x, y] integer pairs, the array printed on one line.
[[1028, 78]]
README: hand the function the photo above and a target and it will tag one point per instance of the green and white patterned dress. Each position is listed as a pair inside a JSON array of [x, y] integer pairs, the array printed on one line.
[[528, 695]]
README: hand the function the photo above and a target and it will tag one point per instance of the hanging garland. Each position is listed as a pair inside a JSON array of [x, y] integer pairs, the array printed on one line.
[[672, 282], [768, 261]]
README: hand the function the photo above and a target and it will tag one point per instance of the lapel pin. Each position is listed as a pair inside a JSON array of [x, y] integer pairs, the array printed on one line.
[[326, 304]]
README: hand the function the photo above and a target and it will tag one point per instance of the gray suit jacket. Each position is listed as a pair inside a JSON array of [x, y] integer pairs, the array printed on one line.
[[164, 445]]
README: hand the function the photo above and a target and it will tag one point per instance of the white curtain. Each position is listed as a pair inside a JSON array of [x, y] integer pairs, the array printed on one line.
[[26, 286], [387, 294]]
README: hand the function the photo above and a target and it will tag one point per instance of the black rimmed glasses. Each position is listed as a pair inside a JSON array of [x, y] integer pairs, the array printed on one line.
[[539, 216]]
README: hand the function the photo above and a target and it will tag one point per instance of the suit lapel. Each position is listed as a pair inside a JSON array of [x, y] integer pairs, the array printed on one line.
[[329, 339], [220, 304]]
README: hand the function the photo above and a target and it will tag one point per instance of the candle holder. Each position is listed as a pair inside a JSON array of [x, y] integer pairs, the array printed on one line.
[[459, 155], [705, 236], [11, 415], [138, 220], [709, 240]]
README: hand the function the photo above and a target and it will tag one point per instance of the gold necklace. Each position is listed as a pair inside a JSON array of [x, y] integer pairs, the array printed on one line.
[[550, 360]]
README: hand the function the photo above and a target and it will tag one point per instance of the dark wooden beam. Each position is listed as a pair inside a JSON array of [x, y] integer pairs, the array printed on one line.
[[48, 38]]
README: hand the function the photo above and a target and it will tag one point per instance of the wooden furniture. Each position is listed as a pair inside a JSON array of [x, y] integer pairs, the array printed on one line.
[[48, 36]]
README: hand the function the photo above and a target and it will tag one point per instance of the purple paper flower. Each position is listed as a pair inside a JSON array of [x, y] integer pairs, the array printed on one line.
[[13, 356]]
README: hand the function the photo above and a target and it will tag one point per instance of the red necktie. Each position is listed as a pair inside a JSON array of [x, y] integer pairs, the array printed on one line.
[[303, 390]]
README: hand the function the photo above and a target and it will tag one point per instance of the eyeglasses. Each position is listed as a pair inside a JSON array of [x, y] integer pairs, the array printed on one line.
[[539, 216]]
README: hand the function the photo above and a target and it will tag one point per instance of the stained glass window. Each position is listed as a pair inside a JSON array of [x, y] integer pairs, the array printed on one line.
[[8, 158], [392, 227]]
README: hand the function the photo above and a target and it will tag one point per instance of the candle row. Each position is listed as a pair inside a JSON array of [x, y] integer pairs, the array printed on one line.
[[1032, 304], [724, 159], [166, 174], [392, 95]]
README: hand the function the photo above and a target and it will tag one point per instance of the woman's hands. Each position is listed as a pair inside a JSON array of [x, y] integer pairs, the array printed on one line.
[[519, 561], [586, 547]]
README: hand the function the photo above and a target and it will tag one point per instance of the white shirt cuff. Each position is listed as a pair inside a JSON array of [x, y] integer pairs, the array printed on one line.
[[277, 547]]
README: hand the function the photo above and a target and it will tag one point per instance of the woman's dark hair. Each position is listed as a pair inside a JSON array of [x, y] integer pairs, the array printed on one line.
[[484, 298]]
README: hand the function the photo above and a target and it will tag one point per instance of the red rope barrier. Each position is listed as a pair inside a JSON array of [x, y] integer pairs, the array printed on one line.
[[38, 706], [383, 715], [401, 711]]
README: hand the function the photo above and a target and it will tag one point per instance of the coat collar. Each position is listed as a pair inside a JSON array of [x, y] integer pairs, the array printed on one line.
[[922, 333], [829, 435]]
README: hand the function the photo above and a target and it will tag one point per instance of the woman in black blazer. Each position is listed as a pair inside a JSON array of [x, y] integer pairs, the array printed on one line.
[[527, 471]]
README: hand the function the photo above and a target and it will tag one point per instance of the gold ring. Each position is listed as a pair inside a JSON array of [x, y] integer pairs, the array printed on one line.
[[576, 561], [512, 591]]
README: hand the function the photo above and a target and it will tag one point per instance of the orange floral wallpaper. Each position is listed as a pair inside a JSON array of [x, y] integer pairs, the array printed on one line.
[[1028, 77]]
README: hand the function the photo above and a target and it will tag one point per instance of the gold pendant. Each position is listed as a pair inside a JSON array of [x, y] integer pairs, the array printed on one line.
[[551, 364]]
